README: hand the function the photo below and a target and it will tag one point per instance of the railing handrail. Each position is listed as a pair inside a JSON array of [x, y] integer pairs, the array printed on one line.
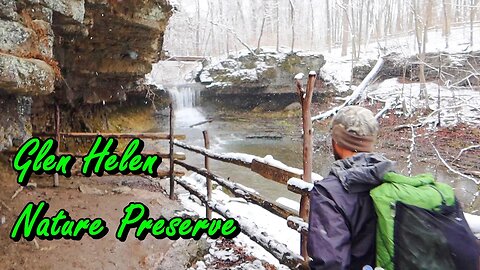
[[253, 162], [154, 136]]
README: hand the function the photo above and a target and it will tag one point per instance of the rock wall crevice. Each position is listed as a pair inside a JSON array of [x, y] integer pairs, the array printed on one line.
[[75, 53]]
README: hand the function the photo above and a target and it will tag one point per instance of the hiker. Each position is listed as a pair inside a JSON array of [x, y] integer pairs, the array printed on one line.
[[419, 224], [342, 216]]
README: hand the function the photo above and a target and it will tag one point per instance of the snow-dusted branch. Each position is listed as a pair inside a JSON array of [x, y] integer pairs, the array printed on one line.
[[412, 148], [297, 224], [356, 96], [451, 168], [389, 104], [235, 35], [466, 149]]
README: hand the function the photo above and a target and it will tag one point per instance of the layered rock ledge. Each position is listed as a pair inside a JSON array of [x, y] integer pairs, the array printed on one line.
[[73, 53]]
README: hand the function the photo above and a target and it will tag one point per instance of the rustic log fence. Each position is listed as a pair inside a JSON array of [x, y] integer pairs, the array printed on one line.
[[171, 155], [257, 165], [297, 181]]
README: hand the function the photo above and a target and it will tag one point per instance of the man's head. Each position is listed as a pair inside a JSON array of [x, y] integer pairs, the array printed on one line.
[[354, 130]]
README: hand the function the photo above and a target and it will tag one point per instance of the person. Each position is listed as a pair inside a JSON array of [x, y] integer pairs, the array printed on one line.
[[342, 222]]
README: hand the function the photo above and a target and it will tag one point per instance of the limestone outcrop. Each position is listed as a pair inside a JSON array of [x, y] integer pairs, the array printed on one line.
[[73, 52], [263, 81]]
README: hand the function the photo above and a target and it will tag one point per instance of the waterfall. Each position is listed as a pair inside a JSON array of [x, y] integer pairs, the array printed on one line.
[[185, 97], [185, 101]]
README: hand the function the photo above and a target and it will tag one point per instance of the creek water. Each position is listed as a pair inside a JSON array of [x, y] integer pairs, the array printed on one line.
[[229, 132]]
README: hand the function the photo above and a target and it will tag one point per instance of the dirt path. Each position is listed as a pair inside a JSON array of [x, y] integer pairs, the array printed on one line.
[[105, 253]]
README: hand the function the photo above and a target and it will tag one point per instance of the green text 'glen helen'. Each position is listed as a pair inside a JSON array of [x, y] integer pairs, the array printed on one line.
[[101, 158], [38, 156]]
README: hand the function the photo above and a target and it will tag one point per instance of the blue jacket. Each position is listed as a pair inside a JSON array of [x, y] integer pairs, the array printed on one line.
[[342, 220]]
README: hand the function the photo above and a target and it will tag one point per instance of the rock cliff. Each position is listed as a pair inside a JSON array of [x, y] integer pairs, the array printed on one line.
[[263, 81], [75, 53]]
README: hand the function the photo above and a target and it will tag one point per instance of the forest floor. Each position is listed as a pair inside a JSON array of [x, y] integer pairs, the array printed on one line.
[[90, 198]]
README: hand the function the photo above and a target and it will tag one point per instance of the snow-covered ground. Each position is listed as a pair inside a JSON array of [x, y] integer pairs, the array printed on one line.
[[267, 222], [338, 69], [459, 105]]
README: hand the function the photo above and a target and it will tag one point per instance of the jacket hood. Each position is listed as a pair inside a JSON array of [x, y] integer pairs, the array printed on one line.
[[362, 172]]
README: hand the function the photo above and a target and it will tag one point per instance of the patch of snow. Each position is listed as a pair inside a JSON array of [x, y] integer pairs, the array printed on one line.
[[300, 184], [299, 76], [263, 220], [205, 77], [474, 222], [289, 203]]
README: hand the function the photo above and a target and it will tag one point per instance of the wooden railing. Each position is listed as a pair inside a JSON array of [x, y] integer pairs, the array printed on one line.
[[280, 174], [296, 180], [171, 156]]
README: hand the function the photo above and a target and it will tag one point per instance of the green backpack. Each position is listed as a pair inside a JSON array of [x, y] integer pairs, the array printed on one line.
[[421, 226]]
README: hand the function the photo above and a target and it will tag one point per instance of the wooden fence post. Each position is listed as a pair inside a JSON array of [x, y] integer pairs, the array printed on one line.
[[305, 101], [171, 172], [209, 180], [57, 137]]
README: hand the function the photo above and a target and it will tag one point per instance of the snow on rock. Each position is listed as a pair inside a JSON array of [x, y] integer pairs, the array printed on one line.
[[205, 77]]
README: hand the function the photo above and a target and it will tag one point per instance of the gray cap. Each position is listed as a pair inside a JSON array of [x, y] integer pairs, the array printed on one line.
[[356, 120]]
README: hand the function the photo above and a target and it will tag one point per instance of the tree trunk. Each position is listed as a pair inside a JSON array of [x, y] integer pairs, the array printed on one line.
[[360, 28], [329, 27], [446, 21], [345, 28], [292, 19], [278, 25], [197, 34], [261, 32], [312, 25], [473, 9]]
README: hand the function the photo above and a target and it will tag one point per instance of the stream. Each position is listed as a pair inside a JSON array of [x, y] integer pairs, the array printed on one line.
[[230, 131]]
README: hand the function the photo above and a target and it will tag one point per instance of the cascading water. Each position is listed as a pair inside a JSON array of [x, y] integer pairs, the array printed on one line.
[[177, 79], [185, 101], [185, 97]]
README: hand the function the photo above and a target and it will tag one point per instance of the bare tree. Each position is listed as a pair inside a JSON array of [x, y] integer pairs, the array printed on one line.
[[473, 9], [345, 28], [292, 20], [446, 20], [329, 27], [261, 29], [278, 25]]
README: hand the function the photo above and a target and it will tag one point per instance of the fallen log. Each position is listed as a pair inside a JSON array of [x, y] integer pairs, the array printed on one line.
[[356, 96], [268, 137], [244, 160], [201, 123], [249, 228], [243, 192]]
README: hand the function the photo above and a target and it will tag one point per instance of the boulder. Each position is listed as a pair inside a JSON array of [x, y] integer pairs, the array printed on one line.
[[23, 76], [295, 106]]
